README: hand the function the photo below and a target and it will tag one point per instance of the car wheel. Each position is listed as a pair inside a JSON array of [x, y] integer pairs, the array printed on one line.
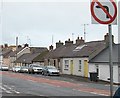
[[29, 72], [42, 73], [33, 72], [47, 74]]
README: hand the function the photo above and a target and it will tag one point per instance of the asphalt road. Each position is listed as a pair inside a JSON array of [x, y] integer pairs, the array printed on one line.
[[17, 84]]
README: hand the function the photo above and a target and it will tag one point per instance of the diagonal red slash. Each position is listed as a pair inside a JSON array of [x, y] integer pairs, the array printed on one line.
[[103, 8], [112, 18]]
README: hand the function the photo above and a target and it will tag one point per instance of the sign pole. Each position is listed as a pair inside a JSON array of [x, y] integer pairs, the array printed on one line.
[[109, 20], [110, 59]]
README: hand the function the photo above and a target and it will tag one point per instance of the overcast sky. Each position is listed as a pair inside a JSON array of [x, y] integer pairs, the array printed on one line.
[[36, 22]]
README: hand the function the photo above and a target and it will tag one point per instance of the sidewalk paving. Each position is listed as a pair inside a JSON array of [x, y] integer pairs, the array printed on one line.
[[83, 79]]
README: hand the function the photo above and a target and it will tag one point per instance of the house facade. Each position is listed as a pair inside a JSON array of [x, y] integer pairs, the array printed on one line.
[[75, 66], [16, 54], [72, 59], [5, 56], [76, 61], [100, 64], [34, 56]]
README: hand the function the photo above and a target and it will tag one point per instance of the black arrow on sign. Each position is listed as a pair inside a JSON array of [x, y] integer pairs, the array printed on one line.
[[106, 7]]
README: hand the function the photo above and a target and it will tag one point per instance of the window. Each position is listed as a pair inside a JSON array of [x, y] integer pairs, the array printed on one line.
[[66, 64], [80, 66]]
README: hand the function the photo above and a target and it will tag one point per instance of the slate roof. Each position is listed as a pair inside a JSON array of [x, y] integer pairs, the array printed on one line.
[[38, 49], [5, 52], [26, 58], [103, 57], [29, 57], [13, 53], [89, 49], [40, 57], [59, 52]]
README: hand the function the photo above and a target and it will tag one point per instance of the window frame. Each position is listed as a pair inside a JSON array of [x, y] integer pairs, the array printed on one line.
[[66, 62]]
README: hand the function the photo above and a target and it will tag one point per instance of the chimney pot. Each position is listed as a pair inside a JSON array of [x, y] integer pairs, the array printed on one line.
[[50, 48], [106, 39], [79, 41], [26, 45], [58, 44], [68, 43]]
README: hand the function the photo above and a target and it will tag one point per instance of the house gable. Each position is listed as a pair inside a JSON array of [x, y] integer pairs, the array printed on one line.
[[103, 57]]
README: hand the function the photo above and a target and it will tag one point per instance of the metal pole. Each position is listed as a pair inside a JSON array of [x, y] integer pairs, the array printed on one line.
[[110, 60], [85, 31], [16, 50]]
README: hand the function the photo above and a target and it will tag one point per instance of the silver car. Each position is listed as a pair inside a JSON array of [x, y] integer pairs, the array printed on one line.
[[35, 68], [17, 69], [24, 69], [50, 70]]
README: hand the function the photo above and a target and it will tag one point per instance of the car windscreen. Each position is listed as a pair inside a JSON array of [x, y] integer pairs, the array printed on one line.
[[51, 67], [36, 65]]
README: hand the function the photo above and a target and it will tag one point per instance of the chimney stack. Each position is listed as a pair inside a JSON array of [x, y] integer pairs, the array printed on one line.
[[50, 47], [59, 44], [26, 45], [106, 39], [79, 41], [68, 43]]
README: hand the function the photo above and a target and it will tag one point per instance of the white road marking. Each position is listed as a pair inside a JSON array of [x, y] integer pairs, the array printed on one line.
[[113, 85], [5, 90], [94, 93], [98, 94], [11, 89]]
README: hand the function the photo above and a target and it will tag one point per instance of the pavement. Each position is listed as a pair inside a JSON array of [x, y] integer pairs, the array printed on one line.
[[83, 79]]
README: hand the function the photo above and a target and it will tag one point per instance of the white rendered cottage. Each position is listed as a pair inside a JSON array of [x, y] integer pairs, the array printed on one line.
[[100, 64]]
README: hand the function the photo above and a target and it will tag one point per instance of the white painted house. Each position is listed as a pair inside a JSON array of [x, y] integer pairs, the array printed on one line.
[[100, 64], [75, 61], [75, 66]]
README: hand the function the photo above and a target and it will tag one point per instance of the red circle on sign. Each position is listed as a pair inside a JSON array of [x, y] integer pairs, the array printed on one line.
[[101, 21]]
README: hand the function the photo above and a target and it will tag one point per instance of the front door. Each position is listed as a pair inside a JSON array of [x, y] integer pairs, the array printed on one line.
[[85, 68], [71, 67]]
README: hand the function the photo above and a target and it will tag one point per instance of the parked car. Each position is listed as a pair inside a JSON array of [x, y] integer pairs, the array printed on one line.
[[24, 69], [35, 68], [50, 70], [4, 68], [13, 69], [17, 69], [117, 93], [10, 69]]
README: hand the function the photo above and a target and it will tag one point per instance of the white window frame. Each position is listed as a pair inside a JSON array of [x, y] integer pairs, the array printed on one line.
[[66, 62]]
